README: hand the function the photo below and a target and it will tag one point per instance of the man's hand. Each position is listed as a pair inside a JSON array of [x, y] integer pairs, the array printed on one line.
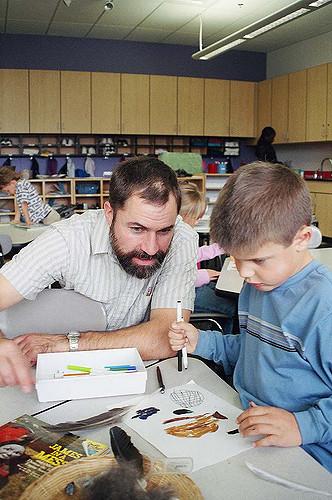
[[213, 275], [181, 335], [278, 426], [37, 343], [14, 367]]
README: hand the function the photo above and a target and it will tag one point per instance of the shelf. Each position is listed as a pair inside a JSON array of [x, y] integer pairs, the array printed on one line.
[[57, 195]]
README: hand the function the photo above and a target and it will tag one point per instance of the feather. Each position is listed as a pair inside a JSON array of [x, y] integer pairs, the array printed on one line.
[[267, 476], [124, 450], [109, 417]]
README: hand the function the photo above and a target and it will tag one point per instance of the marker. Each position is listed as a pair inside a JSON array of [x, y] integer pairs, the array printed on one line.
[[120, 367], [160, 380], [79, 368], [75, 374], [183, 354]]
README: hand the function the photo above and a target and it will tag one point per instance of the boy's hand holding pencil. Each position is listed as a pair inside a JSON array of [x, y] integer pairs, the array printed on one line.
[[183, 335]]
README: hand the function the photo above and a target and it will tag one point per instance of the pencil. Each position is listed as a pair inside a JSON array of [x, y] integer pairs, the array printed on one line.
[[182, 355]]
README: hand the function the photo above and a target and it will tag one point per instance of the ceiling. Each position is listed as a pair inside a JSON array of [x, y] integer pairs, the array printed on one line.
[[159, 21]]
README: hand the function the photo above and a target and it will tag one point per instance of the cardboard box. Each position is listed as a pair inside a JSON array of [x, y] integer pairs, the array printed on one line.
[[50, 388]]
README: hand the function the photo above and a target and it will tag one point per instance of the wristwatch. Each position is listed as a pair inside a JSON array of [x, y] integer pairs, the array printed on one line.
[[73, 339]]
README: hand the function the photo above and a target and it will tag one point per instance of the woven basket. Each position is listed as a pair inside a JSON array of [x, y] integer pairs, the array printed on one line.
[[51, 486]]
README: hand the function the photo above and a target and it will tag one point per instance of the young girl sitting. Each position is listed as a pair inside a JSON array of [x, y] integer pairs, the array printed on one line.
[[28, 202], [193, 207]]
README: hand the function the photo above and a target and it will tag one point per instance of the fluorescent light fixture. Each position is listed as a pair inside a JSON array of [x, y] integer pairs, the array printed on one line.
[[228, 46], [277, 23], [293, 11], [319, 3]]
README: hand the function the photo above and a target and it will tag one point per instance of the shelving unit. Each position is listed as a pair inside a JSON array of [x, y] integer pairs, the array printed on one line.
[[28, 145], [214, 183], [86, 193]]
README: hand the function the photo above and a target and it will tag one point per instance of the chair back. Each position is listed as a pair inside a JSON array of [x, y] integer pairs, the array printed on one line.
[[5, 247], [53, 311]]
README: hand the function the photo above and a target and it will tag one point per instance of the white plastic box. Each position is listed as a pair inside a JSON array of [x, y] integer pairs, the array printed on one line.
[[50, 388]]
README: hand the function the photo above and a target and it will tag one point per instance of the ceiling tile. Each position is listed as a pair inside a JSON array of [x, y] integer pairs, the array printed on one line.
[[112, 32], [147, 35], [3, 8], [172, 16], [32, 10], [80, 11], [28, 27], [124, 14], [69, 29], [183, 39]]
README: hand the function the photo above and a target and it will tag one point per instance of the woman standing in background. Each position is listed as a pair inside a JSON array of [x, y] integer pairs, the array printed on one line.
[[264, 149]]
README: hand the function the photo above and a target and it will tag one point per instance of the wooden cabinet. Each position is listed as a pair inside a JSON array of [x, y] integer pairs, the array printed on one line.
[[163, 105], [216, 107], [321, 193], [279, 108], [242, 109], [316, 103], [75, 102], [190, 106], [135, 104], [264, 115], [44, 101], [14, 100], [329, 103], [297, 106], [105, 103]]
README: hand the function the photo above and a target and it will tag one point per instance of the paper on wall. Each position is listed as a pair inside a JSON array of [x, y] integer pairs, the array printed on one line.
[[206, 450]]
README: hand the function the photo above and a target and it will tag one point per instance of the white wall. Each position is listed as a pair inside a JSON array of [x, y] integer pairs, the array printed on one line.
[[301, 55]]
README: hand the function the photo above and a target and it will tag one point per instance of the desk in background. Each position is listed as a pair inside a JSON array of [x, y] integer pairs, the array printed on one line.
[[21, 236], [229, 479]]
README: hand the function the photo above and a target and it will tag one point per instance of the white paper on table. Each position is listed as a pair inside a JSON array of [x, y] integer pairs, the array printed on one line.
[[205, 450]]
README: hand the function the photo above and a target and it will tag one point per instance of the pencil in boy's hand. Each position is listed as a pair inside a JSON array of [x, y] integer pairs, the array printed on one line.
[[182, 355]]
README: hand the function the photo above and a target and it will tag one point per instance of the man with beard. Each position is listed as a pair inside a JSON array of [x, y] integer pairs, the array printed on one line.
[[135, 256]]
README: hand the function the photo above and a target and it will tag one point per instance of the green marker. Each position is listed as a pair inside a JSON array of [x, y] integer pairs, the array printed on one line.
[[79, 368]]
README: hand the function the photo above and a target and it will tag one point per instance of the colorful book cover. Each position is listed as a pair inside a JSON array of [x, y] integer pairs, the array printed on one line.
[[27, 451]]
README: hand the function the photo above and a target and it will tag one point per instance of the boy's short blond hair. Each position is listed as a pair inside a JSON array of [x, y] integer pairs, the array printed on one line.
[[193, 203], [260, 203], [8, 174]]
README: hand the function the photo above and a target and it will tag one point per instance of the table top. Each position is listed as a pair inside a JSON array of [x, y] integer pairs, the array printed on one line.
[[231, 476], [21, 235], [230, 281]]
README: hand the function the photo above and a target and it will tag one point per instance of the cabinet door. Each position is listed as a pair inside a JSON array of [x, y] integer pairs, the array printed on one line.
[[75, 102], [242, 111], [163, 105], [14, 100], [323, 211], [190, 106], [44, 101], [264, 115], [329, 102], [280, 108], [216, 107], [297, 106], [316, 103], [135, 104], [105, 103]]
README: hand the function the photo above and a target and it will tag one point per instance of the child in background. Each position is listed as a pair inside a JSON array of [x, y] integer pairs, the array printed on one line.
[[192, 209], [28, 202], [282, 359]]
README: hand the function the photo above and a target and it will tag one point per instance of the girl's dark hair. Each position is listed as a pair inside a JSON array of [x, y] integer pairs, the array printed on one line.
[[267, 135], [148, 178], [7, 174]]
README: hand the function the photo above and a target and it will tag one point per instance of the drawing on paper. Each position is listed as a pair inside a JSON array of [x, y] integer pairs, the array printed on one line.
[[187, 398], [198, 427], [145, 413], [182, 411]]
